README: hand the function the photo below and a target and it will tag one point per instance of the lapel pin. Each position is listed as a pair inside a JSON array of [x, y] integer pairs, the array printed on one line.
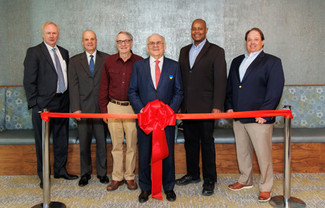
[[171, 76]]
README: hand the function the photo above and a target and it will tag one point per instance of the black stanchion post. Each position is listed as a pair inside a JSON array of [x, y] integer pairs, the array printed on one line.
[[286, 200], [46, 169]]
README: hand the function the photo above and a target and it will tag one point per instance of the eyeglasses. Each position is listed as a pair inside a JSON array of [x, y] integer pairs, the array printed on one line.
[[155, 43], [123, 41]]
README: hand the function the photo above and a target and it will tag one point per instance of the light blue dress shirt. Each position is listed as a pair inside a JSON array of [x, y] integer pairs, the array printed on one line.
[[194, 52], [246, 62]]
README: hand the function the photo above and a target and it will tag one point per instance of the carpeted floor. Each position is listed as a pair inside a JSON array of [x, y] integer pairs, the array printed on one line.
[[24, 191]]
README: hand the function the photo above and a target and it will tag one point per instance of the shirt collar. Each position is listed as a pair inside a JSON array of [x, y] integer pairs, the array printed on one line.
[[253, 54], [94, 54], [50, 47], [200, 45], [118, 57], [152, 59]]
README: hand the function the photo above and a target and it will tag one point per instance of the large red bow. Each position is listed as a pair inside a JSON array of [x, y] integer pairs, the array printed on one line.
[[154, 118]]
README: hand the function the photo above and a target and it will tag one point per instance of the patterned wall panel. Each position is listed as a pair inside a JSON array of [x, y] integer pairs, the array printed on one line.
[[308, 105], [17, 114], [2, 108]]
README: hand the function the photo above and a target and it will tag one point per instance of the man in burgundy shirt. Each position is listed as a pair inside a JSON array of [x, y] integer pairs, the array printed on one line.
[[113, 98]]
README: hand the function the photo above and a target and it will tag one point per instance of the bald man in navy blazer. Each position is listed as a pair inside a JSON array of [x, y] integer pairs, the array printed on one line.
[[143, 89], [255, 82]]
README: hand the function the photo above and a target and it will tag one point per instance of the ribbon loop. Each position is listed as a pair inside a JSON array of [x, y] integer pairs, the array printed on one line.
[[156, 116]]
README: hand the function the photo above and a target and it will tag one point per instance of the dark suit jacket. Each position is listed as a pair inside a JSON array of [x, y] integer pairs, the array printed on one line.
[[40, 77], [260, 89], [142, 90], [204, 84], [83, 88]]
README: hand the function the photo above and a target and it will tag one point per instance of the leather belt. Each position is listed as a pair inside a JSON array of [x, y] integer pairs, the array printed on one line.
[[123, 103], [58, 94]]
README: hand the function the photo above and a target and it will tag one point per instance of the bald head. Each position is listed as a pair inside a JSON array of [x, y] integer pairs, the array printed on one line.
[[201, 21], [89, 41], [199, 31], [156, 45]]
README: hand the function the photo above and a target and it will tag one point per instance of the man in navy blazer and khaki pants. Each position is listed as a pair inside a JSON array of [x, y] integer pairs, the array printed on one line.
[[255, 82], [146, 86]]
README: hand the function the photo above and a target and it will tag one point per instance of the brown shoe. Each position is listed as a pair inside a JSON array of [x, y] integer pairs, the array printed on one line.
[[264, 196], [132, 185], [113, 185], [237, 186]]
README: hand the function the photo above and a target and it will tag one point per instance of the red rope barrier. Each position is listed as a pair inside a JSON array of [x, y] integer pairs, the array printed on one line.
[[155, 117], [245, 114]]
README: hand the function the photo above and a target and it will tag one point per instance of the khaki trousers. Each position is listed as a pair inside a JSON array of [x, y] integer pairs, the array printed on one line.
[[117, 129], [258, 137]]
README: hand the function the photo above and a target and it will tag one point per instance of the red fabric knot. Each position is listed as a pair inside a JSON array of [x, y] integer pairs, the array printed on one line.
[[45, 116], [155, 117]]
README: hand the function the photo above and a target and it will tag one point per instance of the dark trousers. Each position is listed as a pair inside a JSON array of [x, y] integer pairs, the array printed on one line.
[[144, 149], [87, 128], [199, 133], [60, 129]]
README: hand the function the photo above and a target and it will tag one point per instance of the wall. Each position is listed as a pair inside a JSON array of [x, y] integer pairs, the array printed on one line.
[[294, 29]]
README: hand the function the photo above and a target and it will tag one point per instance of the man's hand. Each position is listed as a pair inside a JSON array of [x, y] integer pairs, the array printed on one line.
[[260, 120], [105, 120], [215, 110], [78, 111], [230, 111]]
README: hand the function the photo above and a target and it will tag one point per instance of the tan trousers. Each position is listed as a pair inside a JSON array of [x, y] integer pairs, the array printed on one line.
[[117, 129], [258, 137]]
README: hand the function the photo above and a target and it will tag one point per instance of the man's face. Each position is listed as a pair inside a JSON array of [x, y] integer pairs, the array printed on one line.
[[124, 43], [198, 31], [254, 42], [89, 41], [50, 34], [156, 46]]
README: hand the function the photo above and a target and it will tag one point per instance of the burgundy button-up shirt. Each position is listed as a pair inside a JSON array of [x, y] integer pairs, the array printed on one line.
[[114, 83]]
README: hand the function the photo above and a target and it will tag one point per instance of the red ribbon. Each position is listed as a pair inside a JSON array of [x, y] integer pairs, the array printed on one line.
[[244, 114], [155, 117]]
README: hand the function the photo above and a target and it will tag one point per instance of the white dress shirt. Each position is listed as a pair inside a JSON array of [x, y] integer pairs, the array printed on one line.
[[62, 62], [153, 68]]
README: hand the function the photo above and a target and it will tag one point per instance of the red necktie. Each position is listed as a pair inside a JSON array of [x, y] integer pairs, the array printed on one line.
[[157, 72]]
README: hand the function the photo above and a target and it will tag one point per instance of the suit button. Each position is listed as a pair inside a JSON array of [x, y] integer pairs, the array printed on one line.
[[239, 86]]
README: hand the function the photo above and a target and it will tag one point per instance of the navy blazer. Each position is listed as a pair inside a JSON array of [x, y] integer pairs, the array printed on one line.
[[40, 77], [260, 89], [142, 90]]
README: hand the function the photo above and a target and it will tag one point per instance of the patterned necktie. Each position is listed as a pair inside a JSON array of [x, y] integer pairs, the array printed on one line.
[[92, 65], [157, 73], [61, 85]]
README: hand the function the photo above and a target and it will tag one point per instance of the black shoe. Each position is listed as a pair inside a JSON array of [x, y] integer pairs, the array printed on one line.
[[144, 196], [170, 195], [187, 179], [66, 176], [84, 180], [103, 179], [208, 188]]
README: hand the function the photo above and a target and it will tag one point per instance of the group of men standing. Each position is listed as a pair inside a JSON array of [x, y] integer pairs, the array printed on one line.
[[124, 83]]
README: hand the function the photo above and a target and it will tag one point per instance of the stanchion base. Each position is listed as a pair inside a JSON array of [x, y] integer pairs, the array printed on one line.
[[278, 201], [51, 205]]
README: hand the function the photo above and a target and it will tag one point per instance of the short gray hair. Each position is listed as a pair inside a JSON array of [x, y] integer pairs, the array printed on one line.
[[125, 33], [49, 23]]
